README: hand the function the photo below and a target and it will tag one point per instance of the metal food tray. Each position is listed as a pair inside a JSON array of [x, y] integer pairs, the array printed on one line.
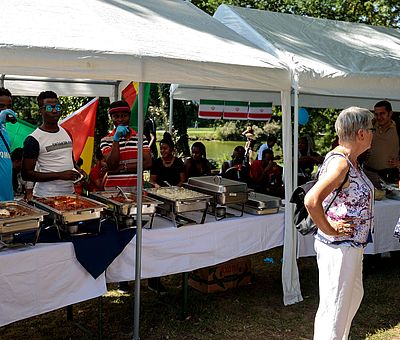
[[217, 184], [221, 198], [90, 212], [174, 204], [126, 207], [14, 224], [255, 211], [262, 201]]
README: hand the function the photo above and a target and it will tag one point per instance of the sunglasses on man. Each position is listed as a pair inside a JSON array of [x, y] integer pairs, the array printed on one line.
[[50, 107]]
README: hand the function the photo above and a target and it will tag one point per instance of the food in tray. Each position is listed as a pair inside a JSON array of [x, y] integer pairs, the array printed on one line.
[[4, 213], [121, 199], [12, 211], [131, 199], [175, 193], [66, 203]]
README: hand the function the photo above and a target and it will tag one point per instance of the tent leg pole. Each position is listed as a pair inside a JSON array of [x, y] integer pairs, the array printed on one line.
[[138, 257], [171, 111]]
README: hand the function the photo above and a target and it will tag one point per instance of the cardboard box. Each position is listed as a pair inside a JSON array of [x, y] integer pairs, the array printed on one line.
[[231, 274]]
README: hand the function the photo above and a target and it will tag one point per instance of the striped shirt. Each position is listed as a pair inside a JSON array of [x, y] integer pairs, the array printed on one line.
[[128, 147]]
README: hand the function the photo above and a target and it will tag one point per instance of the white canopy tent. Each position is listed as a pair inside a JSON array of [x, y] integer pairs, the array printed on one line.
[[334, 64], [356, 62], [143, 40]]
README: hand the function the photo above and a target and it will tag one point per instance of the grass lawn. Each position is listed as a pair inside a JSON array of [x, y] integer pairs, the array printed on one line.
[[255, 311]]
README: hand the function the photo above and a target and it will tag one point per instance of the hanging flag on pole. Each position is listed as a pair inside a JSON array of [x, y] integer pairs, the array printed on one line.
[[260, 111], [130, 95], [236, 110], [18, 132], [211, 109], [80, 125]]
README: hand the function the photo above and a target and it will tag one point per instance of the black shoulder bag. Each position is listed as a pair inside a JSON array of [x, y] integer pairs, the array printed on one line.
[[301, 219]]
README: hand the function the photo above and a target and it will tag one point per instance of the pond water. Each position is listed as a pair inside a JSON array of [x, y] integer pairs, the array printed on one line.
[[220, 149]]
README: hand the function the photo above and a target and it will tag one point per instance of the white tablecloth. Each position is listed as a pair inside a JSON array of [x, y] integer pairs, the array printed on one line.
[[168, 250], [386, 215], [41, 278]]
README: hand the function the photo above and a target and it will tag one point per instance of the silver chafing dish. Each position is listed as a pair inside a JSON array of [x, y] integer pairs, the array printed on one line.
[[260, 204], [67, 211], [223, 191], [17, 216], [125, 208], [177, 200]]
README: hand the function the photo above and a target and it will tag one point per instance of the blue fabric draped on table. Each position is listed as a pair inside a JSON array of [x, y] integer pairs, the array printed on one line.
[[95, 252]]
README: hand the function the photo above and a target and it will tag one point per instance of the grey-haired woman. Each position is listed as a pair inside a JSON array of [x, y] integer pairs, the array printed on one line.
[[345, 229]]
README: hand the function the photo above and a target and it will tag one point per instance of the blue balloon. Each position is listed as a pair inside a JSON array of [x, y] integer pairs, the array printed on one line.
[[303, 116]]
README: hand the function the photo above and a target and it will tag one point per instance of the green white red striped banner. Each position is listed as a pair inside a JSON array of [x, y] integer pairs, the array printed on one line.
[[211, 109], [236, 110], [260, 111]]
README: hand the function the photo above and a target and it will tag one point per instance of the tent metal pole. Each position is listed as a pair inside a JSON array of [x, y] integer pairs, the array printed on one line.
[[290, 274], [138, 257], [2, 77], [171, 111], [296, 131], [116, 90]]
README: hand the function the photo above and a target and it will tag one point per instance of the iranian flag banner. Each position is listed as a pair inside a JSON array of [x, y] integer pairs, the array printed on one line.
[[211, 109], [260, 111], [236, 110]]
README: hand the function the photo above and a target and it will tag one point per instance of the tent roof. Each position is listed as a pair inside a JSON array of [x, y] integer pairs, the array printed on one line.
[[141, 40], [31, 86], [332, 58]]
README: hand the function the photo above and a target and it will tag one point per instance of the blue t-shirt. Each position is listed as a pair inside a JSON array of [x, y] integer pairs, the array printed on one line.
[[6, 188], [260, 151]]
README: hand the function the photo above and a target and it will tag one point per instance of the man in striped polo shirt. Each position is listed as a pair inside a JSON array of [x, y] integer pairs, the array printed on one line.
[[120, 149]]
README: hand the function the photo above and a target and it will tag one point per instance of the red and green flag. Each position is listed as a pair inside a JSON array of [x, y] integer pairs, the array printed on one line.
[[260, 111], [211, 109], [130, 95], [236, 110]]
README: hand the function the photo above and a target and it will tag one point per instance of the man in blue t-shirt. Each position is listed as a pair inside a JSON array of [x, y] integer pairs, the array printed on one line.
[[271, 140], [6, 115]]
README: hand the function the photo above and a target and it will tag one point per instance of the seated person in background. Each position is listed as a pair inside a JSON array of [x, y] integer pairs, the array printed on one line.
[[308, 158], [120, 149], [383, 155], [271, 141], [97, 173], [167, 169], [197, 164], [236, 169], [266, 175], [47, 157], [18, 183]]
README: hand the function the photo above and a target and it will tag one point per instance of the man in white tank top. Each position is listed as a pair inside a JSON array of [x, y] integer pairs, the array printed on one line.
[[48, 159]]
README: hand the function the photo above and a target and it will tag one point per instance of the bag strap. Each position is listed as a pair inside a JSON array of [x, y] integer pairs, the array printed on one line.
[[5, 142], [337, 191]]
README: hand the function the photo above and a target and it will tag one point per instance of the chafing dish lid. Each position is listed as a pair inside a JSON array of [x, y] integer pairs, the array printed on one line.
[[218, 184]]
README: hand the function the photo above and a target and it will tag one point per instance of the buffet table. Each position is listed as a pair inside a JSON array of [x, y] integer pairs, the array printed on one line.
[[41, 278], [386, 215], [168, 250]]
